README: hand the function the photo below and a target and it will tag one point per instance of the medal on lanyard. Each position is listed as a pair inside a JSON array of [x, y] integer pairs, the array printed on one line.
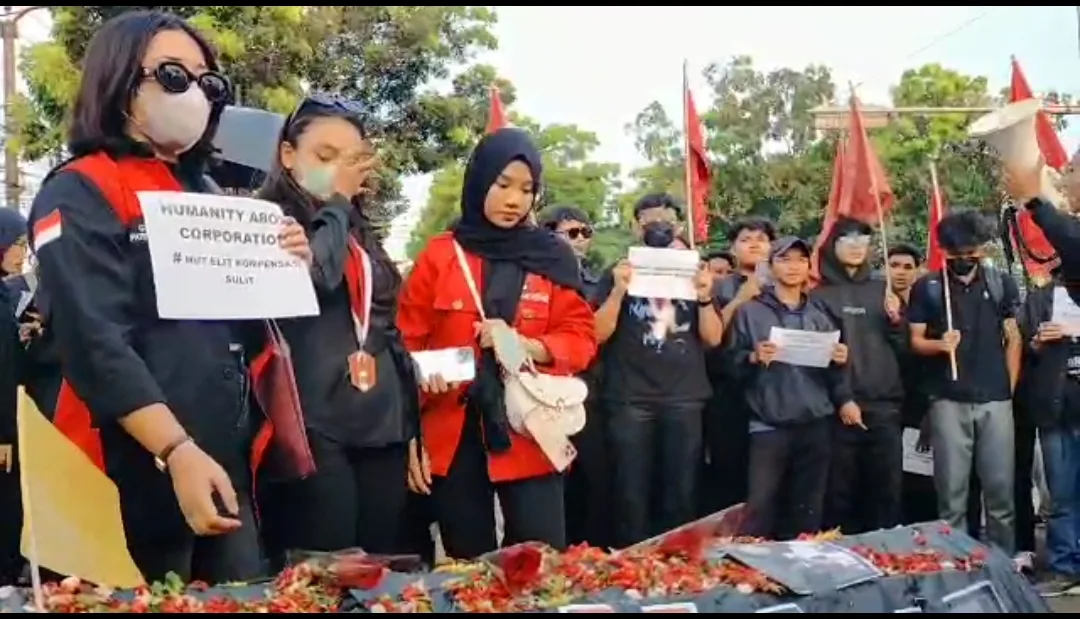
[[362, 370]]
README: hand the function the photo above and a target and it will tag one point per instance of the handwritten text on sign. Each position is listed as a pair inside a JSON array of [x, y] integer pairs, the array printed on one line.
[[219, 258]]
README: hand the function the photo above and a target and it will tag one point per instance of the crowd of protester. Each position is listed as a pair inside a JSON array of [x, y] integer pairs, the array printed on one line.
[[691, 408]]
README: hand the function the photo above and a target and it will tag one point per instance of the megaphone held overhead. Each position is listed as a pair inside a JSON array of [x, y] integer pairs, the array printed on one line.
[[1010, 131]]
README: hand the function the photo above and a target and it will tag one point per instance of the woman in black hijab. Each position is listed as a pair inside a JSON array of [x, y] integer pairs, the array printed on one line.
[[12, 253], [529, 279]]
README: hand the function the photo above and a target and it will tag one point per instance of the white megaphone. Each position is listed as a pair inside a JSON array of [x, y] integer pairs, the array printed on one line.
[[1010, 131]]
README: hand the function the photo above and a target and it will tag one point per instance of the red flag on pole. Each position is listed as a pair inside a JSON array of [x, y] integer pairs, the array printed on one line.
[[935, 258], [865, 194], [697, 166], [496, 113], [1054, 155]]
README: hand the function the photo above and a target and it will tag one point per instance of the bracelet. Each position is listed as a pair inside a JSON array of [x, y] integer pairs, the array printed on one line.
[[161, 461]]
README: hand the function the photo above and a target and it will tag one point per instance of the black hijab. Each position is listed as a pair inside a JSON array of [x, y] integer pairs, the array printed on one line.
[[508, 255]]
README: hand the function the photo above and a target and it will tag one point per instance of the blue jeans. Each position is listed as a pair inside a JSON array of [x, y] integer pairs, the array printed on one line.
[[1061, 458]]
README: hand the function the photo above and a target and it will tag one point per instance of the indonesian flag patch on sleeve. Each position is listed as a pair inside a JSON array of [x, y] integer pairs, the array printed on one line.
[[46, 230]]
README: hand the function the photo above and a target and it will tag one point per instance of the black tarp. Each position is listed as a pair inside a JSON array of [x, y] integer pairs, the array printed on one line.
[[993, 587]]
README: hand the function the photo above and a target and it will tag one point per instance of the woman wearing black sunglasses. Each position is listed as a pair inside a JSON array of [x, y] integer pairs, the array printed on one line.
[[162, 405], [355, 379]]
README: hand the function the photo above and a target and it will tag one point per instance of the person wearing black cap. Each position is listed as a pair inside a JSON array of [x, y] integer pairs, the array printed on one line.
[[791, 406]]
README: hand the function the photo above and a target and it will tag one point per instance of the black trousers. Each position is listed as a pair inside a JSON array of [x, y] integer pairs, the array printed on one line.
[[355, 499], [789, 472], [588, 485], [1024, 486], [865, 474], [235, 557], [655, 451], [727, 443], [464, 504], [11, 519]]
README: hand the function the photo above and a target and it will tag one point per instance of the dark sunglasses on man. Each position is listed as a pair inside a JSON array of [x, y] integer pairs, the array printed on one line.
[[574, 233], [176, 79]]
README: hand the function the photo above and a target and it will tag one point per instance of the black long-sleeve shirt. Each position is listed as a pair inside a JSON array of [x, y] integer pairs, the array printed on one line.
[[119, 356], [321, 346]]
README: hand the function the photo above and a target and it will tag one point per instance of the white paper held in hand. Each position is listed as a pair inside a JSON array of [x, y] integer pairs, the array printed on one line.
[[219, 258], [812, 349], [1065, 312], [662, 273], [454, 365]]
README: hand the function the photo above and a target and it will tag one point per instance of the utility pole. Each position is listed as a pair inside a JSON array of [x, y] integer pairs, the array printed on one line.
[[9, 33]]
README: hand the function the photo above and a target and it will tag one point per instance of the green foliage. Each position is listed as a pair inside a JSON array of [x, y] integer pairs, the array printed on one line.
[[769, 160], [385, 56], [569, 179]]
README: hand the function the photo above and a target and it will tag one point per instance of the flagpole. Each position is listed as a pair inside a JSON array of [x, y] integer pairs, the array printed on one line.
[[877, 197], [688, 180], [944, 276]]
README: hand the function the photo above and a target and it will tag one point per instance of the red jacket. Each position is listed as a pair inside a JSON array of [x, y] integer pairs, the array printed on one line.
[[436, 311]]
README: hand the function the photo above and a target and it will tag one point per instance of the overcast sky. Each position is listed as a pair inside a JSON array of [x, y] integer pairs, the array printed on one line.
[[597, 67]]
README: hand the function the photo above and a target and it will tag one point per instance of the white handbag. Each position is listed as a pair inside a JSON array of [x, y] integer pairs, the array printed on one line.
[[533, 399]]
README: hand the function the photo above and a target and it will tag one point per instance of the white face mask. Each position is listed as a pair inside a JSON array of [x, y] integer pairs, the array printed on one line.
[[176, 122]]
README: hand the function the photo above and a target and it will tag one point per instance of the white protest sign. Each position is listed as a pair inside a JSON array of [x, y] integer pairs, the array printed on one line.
[[662, 273], [811, 349], [218, 258], [1065, 312]]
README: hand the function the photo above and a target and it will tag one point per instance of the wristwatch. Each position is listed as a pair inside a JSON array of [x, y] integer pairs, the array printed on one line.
[[161, 461]]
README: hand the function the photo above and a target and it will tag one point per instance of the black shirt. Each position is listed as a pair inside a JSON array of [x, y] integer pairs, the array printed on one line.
[[321, 346], [655, 353], [982, 371], [119, 356]]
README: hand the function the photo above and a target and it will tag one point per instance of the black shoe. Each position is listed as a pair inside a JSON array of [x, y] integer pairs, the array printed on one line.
[[1056, 585]]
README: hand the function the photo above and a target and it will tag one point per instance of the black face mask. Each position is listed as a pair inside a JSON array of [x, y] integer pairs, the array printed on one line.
[[659, 234], [962, 267]]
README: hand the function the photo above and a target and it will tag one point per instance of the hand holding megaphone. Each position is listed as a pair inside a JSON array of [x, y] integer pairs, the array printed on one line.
[[1023, 183]]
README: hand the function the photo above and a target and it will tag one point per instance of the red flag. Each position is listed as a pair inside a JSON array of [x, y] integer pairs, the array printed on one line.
[[697, 167], [496, 113], [935, 258], [1054, 155], [865, 189]]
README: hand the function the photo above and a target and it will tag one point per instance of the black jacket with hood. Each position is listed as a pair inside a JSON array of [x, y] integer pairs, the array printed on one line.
[[782, 394], [875, 344]]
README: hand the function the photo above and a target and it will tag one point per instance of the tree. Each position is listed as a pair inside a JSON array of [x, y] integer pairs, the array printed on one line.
[[968, 172], [384, 56], [766, 158], [569, 178]]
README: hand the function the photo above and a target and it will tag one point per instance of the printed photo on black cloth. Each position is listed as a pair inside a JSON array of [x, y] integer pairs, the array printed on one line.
[[806, 568], [979, 598], [655, 352]]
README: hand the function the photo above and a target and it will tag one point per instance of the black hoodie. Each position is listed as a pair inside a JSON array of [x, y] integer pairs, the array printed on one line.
[[875, 344], [782, 394]]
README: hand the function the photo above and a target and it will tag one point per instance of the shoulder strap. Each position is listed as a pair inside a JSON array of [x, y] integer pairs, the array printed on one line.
[[467, 272], [120, 181], [995, 285]]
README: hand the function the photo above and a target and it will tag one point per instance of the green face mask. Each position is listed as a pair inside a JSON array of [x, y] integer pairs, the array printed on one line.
[[317, 181]]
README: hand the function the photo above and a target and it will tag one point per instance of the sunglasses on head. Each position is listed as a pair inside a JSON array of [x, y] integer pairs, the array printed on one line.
[[329, 103], [174, 78], [574, 233]]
